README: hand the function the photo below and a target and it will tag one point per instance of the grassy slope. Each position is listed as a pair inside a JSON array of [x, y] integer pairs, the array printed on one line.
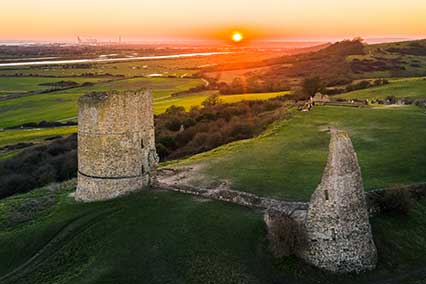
[[171, 238], [414, 88], [288, 160]]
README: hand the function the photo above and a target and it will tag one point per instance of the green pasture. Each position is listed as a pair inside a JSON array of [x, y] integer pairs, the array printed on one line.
[[288, 159]]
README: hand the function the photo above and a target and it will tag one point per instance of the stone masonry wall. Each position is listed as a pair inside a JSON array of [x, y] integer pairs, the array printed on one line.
[[337, 224], [116, 144]]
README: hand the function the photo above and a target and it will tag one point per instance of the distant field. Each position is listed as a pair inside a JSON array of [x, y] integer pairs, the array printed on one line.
[[288, 160], [63, 104], [10, 85], [414, 88], [174, 67], [33, 135], [229, 76], [161, 105]]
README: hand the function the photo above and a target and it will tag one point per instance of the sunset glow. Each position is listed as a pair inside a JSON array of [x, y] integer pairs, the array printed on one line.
[[269, 19]]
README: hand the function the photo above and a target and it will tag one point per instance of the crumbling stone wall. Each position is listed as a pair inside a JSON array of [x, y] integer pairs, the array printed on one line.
[[116, 144], [339, 237]]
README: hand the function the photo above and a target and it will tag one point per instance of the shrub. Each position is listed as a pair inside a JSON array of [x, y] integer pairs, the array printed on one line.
[[396, 202], [167, 141], [241, 130], [285, 235], [175, 110], [38, 166], [212, 100], [162, 151], [173, 124]]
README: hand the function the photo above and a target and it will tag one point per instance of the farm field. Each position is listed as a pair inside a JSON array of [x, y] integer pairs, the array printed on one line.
[[160, 105], [63, 104], [11, 85], [15, 136], [10, 137], [145, 236], [412, 88], [388, 142]]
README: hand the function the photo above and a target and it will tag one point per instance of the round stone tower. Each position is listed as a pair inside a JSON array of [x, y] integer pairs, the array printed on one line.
[[116, 146], [337, 225]]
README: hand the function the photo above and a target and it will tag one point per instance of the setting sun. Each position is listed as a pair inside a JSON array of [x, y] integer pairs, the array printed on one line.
[[237, 37]]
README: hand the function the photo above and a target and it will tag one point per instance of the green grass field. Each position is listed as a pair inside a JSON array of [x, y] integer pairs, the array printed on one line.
[[63, 104], [9, 137], [162, 237], [413, 88], [288, 159], [12, 85]]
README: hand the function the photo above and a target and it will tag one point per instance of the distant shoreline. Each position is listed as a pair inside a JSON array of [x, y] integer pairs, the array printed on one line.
[[97, 60]]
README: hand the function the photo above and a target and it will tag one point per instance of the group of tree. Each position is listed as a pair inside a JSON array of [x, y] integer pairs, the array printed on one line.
[[364, 84], [180, 133], [252, 84]]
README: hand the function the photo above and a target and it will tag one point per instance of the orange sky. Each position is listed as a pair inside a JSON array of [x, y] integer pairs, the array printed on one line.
[[284, 19]]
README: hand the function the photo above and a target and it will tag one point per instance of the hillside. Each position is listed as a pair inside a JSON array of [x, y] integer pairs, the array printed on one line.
[[398, 59], [406, 88], [162, 237], [335, 64]]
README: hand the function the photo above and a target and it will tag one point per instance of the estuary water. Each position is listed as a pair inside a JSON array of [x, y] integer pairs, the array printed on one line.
[[105, 59]]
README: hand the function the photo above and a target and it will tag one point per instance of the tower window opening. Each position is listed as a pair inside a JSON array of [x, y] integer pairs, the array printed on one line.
[[326, 194], [142, 144]]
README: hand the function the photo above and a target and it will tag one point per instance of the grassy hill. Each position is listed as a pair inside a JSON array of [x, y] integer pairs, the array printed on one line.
[[396, 59], [288, 160], [162, 237], [412, 88]]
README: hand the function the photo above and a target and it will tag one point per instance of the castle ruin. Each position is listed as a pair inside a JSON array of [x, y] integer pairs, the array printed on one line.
[[339, 237], [116, 156], [116, 144]]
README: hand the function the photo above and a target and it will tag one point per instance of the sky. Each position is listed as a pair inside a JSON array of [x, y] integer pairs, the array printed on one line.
[[213, 19]]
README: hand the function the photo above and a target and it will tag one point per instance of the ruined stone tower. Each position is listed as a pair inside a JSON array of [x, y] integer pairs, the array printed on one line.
[[116, 147], [337, 225]]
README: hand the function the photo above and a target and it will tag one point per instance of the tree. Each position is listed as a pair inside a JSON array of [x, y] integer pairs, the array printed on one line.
[[311, 86], [175, 110], [212, 100]]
